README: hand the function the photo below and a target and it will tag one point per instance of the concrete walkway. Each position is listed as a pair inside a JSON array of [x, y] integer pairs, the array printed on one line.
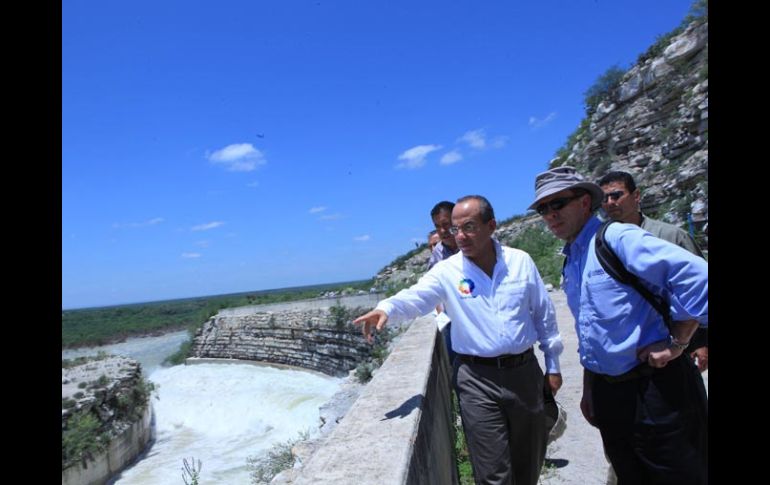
[[577, 456]]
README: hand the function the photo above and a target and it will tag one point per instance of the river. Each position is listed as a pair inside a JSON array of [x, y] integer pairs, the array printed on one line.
[[220, 414]]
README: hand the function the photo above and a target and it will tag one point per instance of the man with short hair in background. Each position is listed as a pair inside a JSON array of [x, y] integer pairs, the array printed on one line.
[[433, 239], [647, 398], [441, 215], [500, 309], [622, 203]]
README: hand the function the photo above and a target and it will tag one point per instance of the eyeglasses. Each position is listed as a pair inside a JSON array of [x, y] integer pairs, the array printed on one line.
[[467, 228], [613, 195], [556, 204]]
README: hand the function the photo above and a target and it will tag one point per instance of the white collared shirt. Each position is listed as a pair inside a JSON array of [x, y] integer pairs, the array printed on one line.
[[505, 314]]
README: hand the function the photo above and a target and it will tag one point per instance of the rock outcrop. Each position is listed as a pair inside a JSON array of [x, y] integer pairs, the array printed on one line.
[[106, 417], [320, 339], [654, 125]]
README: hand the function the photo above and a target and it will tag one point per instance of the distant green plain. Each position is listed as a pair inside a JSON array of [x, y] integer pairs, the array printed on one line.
[[105, 325]]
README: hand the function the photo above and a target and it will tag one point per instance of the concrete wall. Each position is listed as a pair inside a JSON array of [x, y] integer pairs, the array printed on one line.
[[121, 452], [399, 431]]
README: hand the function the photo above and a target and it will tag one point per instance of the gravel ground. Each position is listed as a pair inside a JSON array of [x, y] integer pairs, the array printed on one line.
[[576, 457]]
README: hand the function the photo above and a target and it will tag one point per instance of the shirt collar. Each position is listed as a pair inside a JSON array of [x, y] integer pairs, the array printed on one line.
[[585, 235]]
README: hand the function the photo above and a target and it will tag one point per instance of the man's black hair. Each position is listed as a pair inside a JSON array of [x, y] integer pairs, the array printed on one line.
[[618, 176], [444, 205], [486, 210]]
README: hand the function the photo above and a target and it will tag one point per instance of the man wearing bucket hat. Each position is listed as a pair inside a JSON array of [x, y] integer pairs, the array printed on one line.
[[646, 398], [500, 309]]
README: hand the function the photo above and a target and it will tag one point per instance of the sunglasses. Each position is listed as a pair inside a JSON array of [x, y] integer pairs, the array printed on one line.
[[556, 204], [613, 195]]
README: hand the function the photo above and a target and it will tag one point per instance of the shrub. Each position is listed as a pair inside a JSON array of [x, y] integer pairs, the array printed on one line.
[[181, 354], [364, 372], [543, 247], [81, 438], [602, 88], [339, 315], [277, 459]]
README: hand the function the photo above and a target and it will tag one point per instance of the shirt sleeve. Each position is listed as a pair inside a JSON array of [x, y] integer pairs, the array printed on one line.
[[544, 318], [687, 242], [679, 274], [415, 301]]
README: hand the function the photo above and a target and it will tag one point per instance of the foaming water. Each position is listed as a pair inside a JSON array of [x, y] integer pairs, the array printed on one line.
[[222, 414]]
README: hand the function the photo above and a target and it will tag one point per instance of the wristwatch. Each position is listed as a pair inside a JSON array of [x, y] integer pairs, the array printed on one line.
[[672, 342]]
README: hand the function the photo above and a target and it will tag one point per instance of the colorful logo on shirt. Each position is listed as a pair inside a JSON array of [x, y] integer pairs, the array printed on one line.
[[466, 286]]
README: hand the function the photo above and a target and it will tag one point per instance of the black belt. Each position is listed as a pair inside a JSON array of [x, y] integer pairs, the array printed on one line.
[[642, 370], [501, 361]]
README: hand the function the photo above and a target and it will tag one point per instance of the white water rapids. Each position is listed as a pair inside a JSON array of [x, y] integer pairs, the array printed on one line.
[[217, 413]]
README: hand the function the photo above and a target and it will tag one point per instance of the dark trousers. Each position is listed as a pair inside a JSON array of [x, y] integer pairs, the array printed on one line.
[[655, 427], [503, 420]]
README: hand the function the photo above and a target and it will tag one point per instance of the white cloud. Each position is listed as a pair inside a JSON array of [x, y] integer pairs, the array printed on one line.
[[330, 217], [203, 244], [478, 140], [475, 138], [539, 123], [151, 222], [415, 156], [365, 237], [253, 184], [452, 157], [191, 255], [316, 210], [207, 226], [238, 157]]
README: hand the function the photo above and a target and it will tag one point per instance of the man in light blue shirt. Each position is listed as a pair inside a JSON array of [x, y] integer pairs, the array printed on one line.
[[499, 309], [621, 203], [646, 398]]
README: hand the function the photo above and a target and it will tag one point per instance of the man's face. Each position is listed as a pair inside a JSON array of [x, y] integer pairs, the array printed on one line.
[[475, 236], [620, 204], [442, 222], [566, 222], [433, 240]]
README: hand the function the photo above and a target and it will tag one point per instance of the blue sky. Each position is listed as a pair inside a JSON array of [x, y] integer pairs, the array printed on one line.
[[219, 147]]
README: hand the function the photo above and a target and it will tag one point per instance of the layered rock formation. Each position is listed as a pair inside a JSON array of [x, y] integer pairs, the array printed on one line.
[[321, 339], [654, 125], [106, 417]]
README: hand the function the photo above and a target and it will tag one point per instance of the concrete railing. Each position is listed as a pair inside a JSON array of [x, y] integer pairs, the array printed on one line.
[[399, 431]]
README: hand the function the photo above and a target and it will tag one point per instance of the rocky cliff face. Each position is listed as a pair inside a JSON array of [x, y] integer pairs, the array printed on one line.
[[103, 387], [654, 125], [105, 417], [321, 339]]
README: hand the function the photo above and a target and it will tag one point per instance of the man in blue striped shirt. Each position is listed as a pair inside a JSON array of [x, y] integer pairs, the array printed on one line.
[[646, 398]]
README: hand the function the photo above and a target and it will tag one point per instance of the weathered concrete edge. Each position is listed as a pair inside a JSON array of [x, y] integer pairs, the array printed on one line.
[[375, 442]]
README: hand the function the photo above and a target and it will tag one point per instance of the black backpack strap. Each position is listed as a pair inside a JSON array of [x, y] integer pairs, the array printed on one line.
[[615, 268]]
